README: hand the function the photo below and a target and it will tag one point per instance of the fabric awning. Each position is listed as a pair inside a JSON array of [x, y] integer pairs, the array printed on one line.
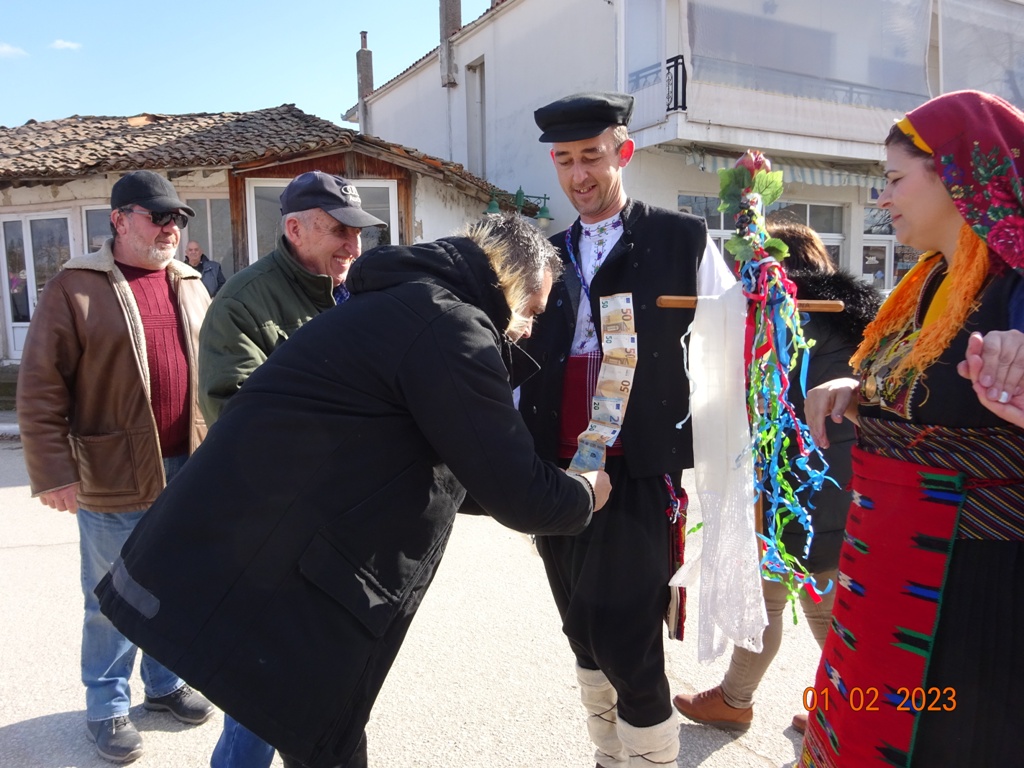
[[796, 170]]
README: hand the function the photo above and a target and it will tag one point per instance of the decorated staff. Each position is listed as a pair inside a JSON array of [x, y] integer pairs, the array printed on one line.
[[773, 349]]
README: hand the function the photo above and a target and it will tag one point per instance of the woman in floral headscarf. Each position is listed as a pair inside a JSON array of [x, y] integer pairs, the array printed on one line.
[[922, 665]]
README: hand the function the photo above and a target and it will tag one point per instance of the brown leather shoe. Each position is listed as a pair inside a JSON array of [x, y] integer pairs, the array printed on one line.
[[800, 722], [710, 708]]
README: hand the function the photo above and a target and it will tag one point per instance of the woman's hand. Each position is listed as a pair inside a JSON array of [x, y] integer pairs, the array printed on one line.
[[834, 399], [994, 364]]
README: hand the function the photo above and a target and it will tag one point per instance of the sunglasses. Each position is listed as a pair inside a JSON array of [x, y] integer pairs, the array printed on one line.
[[161, 219]]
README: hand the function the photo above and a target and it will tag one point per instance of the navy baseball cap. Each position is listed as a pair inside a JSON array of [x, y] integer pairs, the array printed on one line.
[[333, 195], [150, 190], [583, 115]]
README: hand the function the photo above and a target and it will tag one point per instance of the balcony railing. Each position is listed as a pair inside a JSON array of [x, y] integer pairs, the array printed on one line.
[[675, 85]]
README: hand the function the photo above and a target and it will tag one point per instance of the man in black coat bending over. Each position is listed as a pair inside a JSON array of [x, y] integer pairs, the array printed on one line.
[[610, 582]]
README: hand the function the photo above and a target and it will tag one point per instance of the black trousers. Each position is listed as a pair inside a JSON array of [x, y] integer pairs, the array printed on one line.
[[358, 759], [610, 584]]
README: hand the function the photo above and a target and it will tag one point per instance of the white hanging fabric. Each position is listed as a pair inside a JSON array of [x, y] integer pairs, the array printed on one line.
[[731, 602]]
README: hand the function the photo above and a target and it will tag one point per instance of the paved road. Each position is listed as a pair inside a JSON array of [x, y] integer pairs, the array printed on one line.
[[485, 679]]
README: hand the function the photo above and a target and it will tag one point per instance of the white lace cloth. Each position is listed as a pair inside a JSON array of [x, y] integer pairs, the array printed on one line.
[[731, 602]]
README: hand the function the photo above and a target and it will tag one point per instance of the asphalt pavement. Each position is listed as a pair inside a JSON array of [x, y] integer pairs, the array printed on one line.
[[485, 678]]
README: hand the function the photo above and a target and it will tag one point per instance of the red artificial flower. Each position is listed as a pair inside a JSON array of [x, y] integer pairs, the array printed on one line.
[[754, 161]]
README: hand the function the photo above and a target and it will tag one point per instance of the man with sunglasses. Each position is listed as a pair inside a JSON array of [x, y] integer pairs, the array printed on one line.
[[108, 411], [257, 310]]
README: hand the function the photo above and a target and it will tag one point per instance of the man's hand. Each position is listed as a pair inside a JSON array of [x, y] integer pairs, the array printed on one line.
[[994, 363], [602, 486], [834, 399], [62, 499]]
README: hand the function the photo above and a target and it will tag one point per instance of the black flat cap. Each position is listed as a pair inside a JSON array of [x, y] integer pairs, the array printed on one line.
[[583, 115], [150, 190]]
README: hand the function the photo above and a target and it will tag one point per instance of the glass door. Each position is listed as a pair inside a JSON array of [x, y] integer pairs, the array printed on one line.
[[34, 249], [877, 261]]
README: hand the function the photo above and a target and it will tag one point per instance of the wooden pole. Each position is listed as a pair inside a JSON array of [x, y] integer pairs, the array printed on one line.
[[804, 305]]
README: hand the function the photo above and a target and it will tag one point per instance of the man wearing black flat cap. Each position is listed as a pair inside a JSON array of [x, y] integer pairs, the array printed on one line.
[[257, 310], [610, 582], [108, 412]]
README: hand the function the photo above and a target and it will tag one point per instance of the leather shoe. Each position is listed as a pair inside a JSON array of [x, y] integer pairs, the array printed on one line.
[[710, 708], [116, 738], [187, 705], [800, 722]]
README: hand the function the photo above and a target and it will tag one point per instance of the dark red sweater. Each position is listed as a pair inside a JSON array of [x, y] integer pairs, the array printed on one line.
[[165, 355]]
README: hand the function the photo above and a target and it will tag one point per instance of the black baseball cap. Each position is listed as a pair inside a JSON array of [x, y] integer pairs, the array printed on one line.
[[583, 115], [333, 195], [148, 189]]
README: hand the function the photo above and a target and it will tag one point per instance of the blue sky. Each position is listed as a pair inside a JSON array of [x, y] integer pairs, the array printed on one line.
[[96, 57]]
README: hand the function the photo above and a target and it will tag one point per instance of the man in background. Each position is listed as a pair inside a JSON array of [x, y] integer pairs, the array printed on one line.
[[212, 274]]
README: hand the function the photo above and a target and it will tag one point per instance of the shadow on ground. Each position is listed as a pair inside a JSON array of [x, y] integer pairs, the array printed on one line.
[[60, 739]]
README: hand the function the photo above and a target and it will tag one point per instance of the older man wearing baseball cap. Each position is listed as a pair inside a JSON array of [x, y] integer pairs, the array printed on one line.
[[257, 310], [262, 305], [107, 407]]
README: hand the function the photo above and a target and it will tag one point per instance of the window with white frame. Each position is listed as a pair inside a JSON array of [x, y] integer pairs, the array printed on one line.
[[379, 198], [33, 247], [884, 260], [96, 225], [211, 228], [825, 219]]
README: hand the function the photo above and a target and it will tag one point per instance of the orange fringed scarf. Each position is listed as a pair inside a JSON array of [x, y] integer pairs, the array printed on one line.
[[955, 300]]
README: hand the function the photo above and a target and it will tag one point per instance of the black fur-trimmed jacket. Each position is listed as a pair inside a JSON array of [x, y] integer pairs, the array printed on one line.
[[836, 336]]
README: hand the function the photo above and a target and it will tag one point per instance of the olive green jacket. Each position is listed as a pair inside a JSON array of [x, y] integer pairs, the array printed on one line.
[[253, 314]]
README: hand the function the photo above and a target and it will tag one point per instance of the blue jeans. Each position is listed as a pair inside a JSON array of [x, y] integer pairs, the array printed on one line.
[[238, 747], [108, 656]]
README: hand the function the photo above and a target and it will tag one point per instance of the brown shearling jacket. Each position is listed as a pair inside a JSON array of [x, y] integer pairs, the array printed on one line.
[[83, 396]]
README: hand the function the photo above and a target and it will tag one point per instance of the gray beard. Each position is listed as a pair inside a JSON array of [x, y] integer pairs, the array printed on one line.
[[157, 258]]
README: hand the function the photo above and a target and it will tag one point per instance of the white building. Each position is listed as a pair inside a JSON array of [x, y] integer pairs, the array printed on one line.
[[814, 84]]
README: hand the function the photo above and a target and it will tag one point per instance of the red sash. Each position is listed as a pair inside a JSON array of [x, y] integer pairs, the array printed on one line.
[[577, 392]]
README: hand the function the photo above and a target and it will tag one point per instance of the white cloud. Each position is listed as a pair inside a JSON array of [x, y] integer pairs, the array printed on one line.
[[64, 45], [8, 51]]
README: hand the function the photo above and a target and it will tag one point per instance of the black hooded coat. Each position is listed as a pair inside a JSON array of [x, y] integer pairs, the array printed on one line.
[[280, 570], [836, 336]]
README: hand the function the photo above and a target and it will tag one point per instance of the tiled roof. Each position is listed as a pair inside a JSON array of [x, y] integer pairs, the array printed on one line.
[[78, 146], [81, 146]]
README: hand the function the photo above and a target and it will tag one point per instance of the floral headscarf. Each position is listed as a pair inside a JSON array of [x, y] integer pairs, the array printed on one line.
[[975, 140]]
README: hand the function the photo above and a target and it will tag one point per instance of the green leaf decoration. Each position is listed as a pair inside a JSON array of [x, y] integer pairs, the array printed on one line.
[[777, 248], [740, 248], [768, 186], [732, 182]]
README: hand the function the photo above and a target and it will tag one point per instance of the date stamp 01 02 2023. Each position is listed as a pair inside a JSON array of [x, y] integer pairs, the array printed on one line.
[[868, 699]]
